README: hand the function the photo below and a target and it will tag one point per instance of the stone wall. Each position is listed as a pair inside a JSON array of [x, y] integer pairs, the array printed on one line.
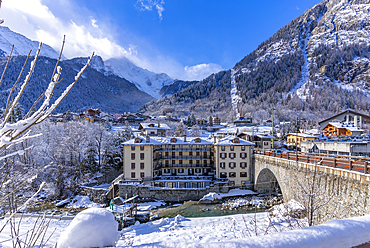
[[95, 195], [169, 194], [341, 193]]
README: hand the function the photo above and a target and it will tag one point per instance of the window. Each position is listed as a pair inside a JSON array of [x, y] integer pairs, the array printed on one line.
[[166, 171], [243, 155], [205, 162], [242, 165], [232, 165], [231, 148], [232, 174], [173, 154], [198, 162], [133, 156], [142, 148], [205, 154], [222, 148], [132, 148], [142, 156], [232, 155], [205, 170], [132, 174], [197, 153], [142, 174], [181, 170], [198, 170], [190, 153], [166, 154], [142, 166], [222, 165], [243, 174], [190, 161], [167, 162], [180, 153], [232, 183], [243, 148], [222, 155], [132, 166], [180, 161], [173, 162], [265, 143], [223, 175]]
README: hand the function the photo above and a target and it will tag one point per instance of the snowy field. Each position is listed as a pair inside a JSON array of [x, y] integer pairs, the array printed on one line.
[[223, 231]]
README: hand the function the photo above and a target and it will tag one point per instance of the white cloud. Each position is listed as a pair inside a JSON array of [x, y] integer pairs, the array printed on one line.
[[34, 20], [93, 23], [201, 71], [147, 5]]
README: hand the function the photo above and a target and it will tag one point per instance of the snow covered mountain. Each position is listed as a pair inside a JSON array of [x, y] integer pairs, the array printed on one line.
[[22, 45], [145, 80], [316, 65]]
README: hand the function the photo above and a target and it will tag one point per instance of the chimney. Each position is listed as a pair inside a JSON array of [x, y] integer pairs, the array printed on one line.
[[147, 139], [159, 124], [214, 139], [185, 138]]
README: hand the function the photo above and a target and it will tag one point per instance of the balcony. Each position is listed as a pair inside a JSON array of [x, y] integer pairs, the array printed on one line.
[[182, 149], [181, 157]]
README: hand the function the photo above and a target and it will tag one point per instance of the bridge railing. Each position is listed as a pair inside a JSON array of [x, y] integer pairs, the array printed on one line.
[[360, 164]]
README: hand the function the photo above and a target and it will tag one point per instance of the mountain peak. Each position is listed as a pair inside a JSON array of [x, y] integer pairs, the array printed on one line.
[[22, 45]]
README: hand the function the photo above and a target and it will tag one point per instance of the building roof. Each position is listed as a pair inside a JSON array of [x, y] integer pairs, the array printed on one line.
[[233, 141], [303, 135], [153, 126], [349, 127], [168, 141], [345, 112]]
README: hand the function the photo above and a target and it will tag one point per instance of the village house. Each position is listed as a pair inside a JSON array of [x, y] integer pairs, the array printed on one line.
[[295, 139], [216, 121], [152, 129], [260, 140], [348, 116], [341, 129]]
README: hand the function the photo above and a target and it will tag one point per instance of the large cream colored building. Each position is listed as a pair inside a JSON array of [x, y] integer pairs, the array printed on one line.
[[233, 158], [169, 162]]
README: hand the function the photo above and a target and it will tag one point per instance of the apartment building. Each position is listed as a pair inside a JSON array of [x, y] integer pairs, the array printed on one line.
[[233, 159], [187, 162]]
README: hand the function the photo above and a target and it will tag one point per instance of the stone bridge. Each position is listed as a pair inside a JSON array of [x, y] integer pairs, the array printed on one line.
[[347, 192]]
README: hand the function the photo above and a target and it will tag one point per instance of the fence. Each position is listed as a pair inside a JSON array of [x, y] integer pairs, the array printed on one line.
[[351, 163]]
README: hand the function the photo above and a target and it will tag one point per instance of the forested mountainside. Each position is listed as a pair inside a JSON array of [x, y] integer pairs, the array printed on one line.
[[93, 90], [316, 65], [209, 96]]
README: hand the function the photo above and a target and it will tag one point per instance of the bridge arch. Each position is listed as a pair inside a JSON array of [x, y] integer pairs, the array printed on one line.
[[266, 181]]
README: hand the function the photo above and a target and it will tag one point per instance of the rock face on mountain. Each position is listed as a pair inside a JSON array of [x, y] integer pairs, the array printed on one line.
[[316, 65]]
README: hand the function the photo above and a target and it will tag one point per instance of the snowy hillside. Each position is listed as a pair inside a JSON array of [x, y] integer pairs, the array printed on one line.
[[22, 45], [145, 80], [323, 52]]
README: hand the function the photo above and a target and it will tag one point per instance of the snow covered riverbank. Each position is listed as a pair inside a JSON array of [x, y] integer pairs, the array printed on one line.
[[227, 231]]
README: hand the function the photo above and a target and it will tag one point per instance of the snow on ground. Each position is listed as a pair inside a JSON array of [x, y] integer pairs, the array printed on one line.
[[232, 192], [94, 227], [226, 231], [80, 201]]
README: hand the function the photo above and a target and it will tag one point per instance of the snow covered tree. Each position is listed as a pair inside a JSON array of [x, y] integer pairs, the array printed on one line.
[[14, 133], [195, 131], [180, 129]]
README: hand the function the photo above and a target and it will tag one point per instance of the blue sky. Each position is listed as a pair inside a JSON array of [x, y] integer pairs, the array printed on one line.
[[186, 39]]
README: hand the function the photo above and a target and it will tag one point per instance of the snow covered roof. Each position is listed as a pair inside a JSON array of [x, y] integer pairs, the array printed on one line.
[[153, 126], [168, 140], [347, 126], [303, 135], [234, 141]]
